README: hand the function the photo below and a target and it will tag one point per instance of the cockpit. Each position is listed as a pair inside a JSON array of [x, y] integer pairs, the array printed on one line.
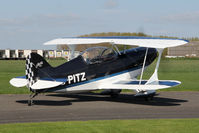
[[96, 55]]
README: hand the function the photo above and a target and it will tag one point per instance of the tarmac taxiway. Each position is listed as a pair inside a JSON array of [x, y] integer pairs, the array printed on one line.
[[92, 106]]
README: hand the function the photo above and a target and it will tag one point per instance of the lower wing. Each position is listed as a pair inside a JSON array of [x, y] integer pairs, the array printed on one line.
[[141, 86]]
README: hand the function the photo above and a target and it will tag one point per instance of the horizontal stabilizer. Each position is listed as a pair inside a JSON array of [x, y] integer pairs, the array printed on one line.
[[19, 81], [39, 84], [134, 85], [45, 84]]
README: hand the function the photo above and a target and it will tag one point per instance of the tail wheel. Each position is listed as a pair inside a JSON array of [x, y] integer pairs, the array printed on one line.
[[30, 102]]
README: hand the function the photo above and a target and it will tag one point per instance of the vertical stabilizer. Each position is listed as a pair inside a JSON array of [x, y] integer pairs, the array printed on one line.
[[34, 62]]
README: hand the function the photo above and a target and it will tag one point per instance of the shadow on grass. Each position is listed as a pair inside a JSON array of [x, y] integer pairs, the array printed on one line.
[[92, 97]]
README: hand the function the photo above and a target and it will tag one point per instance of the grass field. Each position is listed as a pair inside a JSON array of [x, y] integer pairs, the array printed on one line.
[[184, 70], [107, 126]]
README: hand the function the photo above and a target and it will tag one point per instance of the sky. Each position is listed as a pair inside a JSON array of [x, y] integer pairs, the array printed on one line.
[[26, 24]]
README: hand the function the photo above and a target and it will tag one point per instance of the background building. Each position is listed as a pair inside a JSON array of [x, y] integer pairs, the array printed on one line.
[[22, 54], [189, 50]]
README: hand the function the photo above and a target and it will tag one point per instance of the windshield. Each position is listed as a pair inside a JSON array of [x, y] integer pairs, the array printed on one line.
[[98, 54]]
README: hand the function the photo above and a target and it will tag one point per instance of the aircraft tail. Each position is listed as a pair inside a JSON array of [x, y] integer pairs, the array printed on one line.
[[38, 75], [34, 65]]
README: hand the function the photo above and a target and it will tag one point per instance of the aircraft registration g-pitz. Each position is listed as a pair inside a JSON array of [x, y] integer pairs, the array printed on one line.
[[99, 67]]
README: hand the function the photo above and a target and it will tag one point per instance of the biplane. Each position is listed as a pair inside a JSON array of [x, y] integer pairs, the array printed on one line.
[[99, 68]]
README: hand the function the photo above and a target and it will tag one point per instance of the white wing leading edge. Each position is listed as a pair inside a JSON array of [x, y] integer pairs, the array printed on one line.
[[135, 41]]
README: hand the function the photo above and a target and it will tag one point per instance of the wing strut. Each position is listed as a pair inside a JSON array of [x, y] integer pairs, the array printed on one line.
[[143, 65], [72, 51], [154, 78], [113, 45]]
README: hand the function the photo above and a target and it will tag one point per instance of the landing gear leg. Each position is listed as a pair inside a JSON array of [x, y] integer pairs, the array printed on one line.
[[30, 101]]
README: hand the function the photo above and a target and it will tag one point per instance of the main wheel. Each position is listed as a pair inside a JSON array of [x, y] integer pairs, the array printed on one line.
[[30, 102]]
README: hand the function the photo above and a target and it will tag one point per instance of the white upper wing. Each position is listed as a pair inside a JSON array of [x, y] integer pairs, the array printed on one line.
[[135, 41]]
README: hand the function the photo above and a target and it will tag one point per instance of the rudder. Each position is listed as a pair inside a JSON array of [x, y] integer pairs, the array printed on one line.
[[34, 62]]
